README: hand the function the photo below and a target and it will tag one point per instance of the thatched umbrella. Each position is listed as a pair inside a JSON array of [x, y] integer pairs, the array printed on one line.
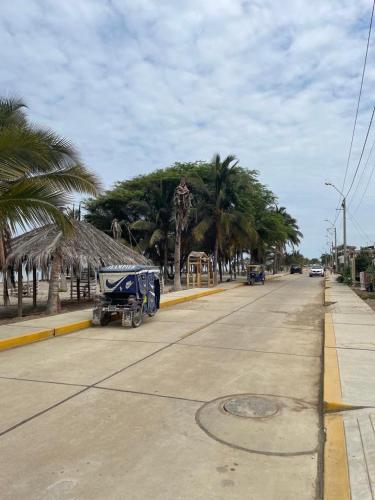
[[86, 248]]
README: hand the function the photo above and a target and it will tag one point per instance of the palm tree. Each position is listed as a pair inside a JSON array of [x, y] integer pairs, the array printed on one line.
[[222, 215], [38, 172], [292, 235], [156, 222]]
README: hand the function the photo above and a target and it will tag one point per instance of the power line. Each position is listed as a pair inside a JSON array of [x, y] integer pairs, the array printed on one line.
[[359, 96], [357, 230], [362, 174], [366, 188], [361, 231], [363, 149]]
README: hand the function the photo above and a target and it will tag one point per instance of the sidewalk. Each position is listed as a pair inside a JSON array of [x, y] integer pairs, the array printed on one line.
[[349, 395]]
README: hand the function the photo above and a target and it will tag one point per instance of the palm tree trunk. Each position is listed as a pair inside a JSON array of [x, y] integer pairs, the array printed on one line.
[[4, 243], [216, 253], [6, 299], [221, 270], [165, 255], [53, 303], [177, 261], [20, 290]]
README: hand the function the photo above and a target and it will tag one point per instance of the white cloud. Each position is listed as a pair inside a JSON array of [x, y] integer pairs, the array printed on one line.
[[140, 84]]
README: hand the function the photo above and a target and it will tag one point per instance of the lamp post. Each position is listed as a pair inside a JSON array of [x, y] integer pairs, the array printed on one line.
[[335, 233], [344, 220]]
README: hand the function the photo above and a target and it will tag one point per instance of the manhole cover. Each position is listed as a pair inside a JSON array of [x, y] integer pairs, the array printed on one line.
[[269, 423], [251, 407]]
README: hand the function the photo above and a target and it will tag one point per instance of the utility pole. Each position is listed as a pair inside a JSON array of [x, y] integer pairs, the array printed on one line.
[[344, 220], [344, 231], [336, 252]]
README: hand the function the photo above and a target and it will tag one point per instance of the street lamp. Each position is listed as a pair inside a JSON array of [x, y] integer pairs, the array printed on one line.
[[335, 233], [344, 220]]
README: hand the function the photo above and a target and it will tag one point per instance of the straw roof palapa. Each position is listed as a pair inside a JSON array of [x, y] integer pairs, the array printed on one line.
[[87, 246]]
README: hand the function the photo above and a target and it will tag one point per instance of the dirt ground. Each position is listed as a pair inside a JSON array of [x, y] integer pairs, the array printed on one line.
[[368, 297]]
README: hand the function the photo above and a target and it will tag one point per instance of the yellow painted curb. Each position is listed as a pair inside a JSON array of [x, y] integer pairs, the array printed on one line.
[[187, 298], [333, 406], [336, 474], [28, 338], [72, 327], [332, 383]]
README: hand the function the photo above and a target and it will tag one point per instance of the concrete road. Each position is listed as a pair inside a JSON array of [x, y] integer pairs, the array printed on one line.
[[213, 399]]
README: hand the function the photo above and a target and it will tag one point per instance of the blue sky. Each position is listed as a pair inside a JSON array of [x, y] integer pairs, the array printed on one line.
[[139, 84]]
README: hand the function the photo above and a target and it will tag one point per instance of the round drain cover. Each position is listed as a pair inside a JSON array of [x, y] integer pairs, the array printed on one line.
[[270, 424], [251, 407]]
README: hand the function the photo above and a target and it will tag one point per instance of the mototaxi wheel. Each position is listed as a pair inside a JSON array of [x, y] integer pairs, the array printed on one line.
[[152, 313], [105, 319], [137, 317]]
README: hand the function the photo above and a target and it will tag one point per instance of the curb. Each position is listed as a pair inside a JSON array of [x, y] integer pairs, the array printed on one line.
[[188, 298], [28, 338], [336, 470]]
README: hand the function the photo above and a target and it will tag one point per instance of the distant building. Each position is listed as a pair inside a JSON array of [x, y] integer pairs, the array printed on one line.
[[352, 251]]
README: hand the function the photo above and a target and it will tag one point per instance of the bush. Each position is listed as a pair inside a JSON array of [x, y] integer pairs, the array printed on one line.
[[370, 271], [345, 277]]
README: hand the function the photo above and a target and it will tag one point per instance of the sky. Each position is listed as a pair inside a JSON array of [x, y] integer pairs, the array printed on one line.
[[139, 84]]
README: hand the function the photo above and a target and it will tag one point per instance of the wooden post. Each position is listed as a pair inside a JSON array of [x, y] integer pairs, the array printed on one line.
[[78, 288], [88, 279], [35, 284], [188, 273], [20, 290]]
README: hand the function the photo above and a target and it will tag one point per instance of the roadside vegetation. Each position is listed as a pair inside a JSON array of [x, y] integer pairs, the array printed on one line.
[[233, 215]]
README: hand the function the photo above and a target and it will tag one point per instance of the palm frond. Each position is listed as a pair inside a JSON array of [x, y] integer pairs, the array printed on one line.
[[201, 229]]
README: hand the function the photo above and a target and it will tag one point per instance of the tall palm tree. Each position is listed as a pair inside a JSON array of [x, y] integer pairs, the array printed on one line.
[[292, 235], [156, 224], [38, 172], [221, 213]]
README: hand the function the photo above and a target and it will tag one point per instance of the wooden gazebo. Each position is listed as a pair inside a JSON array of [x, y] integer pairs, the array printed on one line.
[[86, 250], [199, 270]]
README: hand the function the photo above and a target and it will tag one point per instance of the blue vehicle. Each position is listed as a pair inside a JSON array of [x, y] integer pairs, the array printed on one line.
[[255, 274], [128, 292]]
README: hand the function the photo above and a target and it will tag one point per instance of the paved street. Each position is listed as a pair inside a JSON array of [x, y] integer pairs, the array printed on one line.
[[138, 414]]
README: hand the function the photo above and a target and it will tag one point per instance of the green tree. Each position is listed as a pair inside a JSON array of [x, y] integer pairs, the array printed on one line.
[[232, 213]]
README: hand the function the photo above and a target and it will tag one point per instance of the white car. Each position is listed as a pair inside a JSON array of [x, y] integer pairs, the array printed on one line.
[[316, 270]]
